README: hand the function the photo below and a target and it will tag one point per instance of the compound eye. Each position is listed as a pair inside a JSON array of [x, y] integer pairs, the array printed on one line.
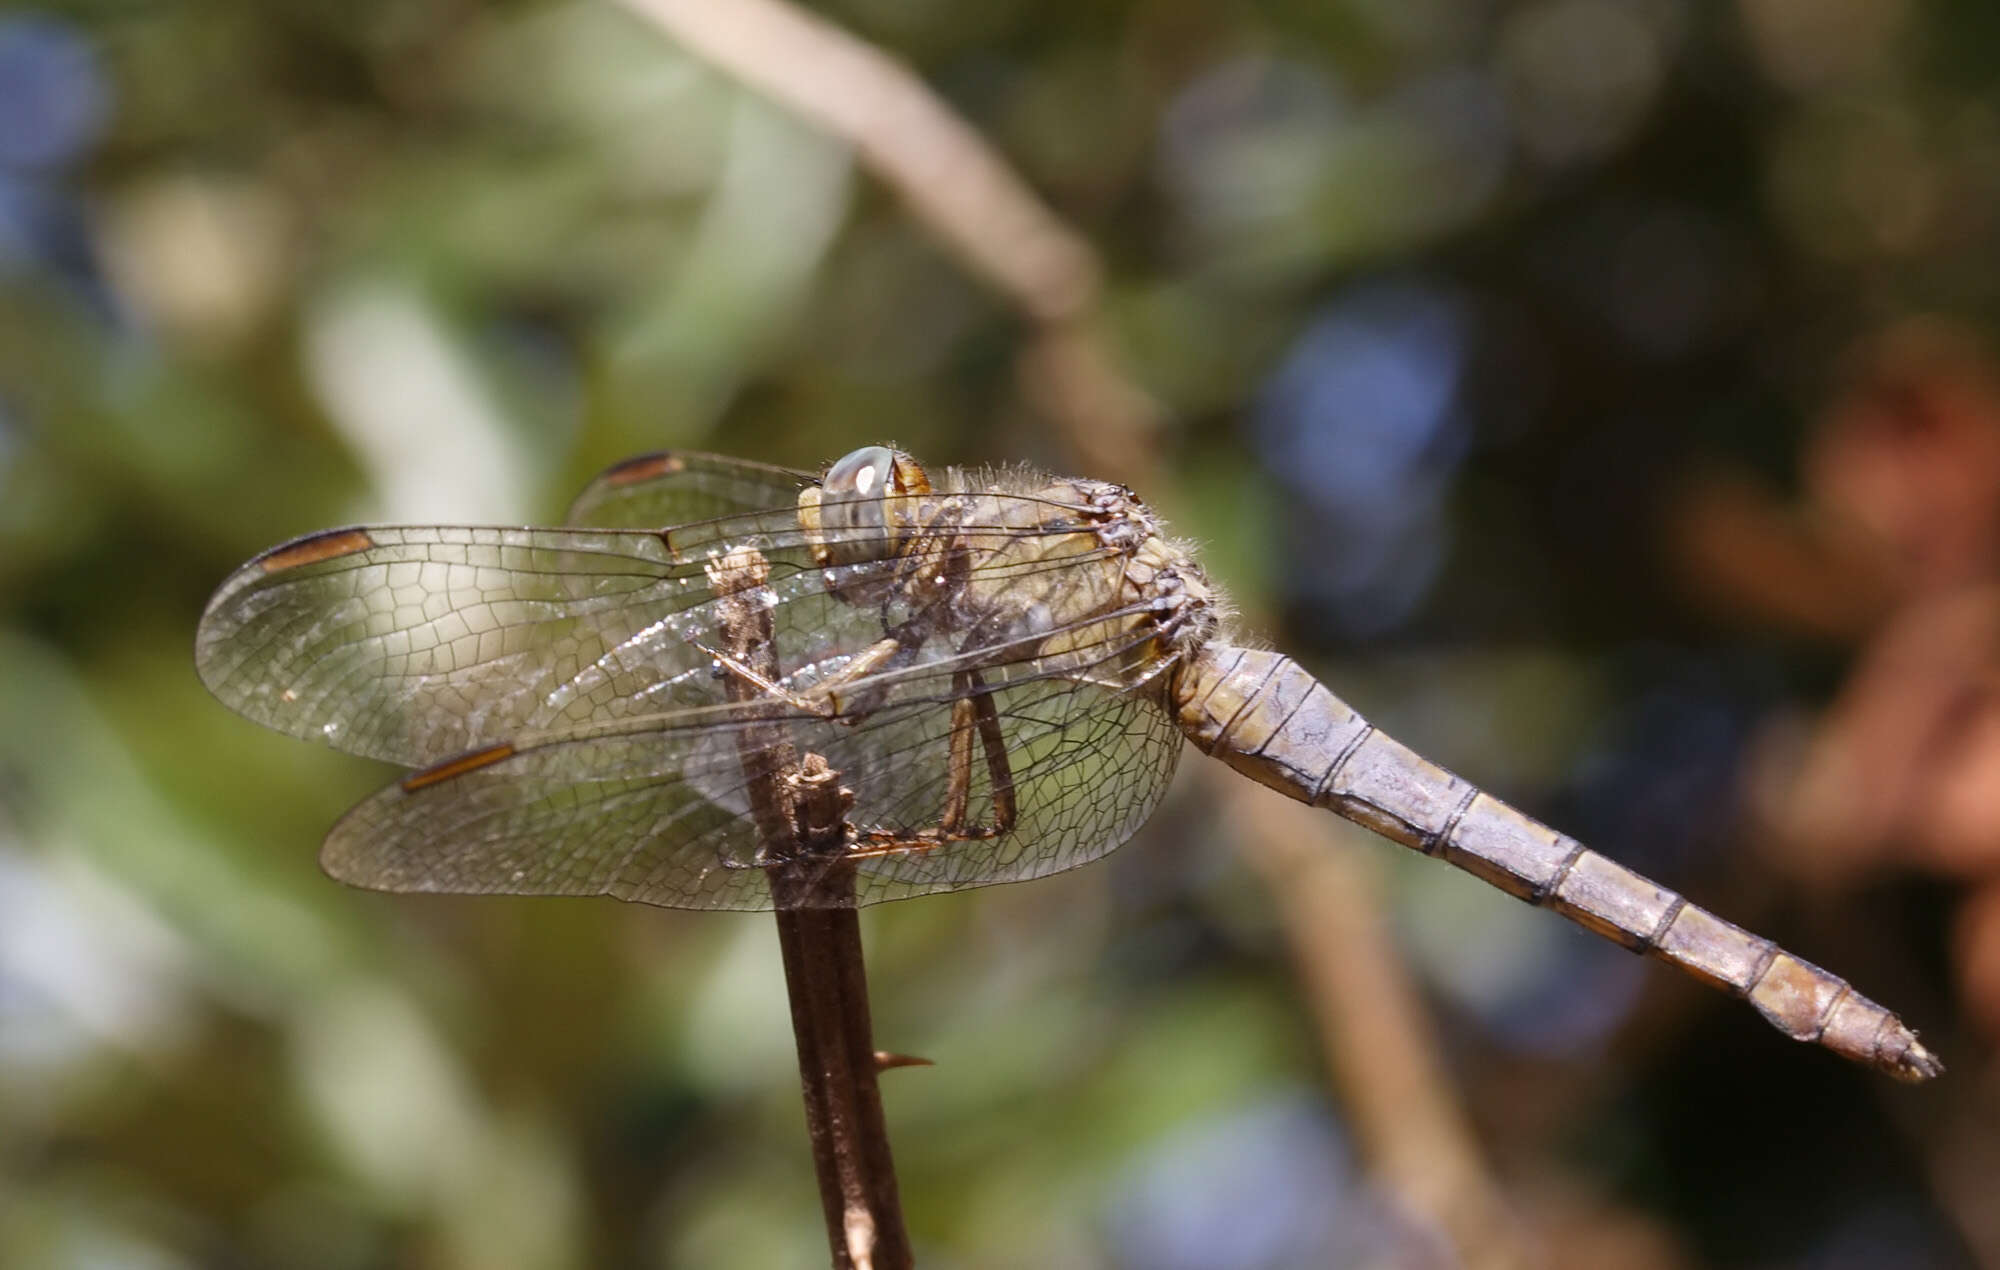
[[850, 517], [866, 473]]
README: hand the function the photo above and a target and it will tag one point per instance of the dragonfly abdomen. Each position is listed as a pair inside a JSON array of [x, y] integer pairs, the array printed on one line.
[[1261, 713]]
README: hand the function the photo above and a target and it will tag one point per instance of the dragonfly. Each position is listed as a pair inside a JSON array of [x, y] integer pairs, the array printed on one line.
[[721, 676]]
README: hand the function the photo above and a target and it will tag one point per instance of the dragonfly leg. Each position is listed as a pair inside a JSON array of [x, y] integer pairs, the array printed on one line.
[[972, 714], [824, 700], [958, 765], [999, 773]]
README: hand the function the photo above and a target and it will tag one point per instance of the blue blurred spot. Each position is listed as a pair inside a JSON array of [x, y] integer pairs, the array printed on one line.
[[53, 99], [1886, 1232], [1661, 784], [1267, 1187], [1579, 993], [1362, 422], [53, 105]]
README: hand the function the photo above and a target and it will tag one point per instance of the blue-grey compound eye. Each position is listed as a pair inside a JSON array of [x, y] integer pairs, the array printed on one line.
[[851, 516], [861, 474]]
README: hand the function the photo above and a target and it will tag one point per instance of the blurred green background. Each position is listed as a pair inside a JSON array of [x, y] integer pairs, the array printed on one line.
[[1600, 393]]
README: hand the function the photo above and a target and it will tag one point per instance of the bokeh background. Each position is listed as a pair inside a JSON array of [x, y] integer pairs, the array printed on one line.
[[1602, 394]]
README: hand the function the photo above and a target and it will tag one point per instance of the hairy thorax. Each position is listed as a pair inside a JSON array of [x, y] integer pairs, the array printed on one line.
[[1074, 573]]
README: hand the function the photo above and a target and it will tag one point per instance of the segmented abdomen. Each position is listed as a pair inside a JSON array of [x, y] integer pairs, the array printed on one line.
[[1261, 713]]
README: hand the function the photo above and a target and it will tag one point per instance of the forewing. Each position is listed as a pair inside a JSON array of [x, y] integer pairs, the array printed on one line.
[[678, 487], [411, 644], [660, 814]]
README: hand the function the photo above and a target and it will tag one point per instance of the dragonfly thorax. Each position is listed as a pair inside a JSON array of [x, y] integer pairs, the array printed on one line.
[[1111, 574], [1061, 568]]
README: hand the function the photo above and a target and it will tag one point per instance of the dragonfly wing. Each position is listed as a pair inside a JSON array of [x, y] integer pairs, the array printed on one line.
[[1088, 763], [678, 487], [634, 815], [659, 813], [412, 644]]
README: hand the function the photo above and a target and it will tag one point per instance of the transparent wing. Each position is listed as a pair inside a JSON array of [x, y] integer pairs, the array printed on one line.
[[658, 813], [679, 487], [413, 644]]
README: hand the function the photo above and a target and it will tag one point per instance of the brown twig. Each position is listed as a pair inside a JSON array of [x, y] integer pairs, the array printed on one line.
[[800, 810], [837, 1070]]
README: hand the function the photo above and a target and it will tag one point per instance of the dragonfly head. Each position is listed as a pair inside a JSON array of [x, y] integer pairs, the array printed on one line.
[[861, 508]]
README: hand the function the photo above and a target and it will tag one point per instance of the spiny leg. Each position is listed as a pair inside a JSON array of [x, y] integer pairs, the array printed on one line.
[[958, 763], [972, 712], [999, 772]]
